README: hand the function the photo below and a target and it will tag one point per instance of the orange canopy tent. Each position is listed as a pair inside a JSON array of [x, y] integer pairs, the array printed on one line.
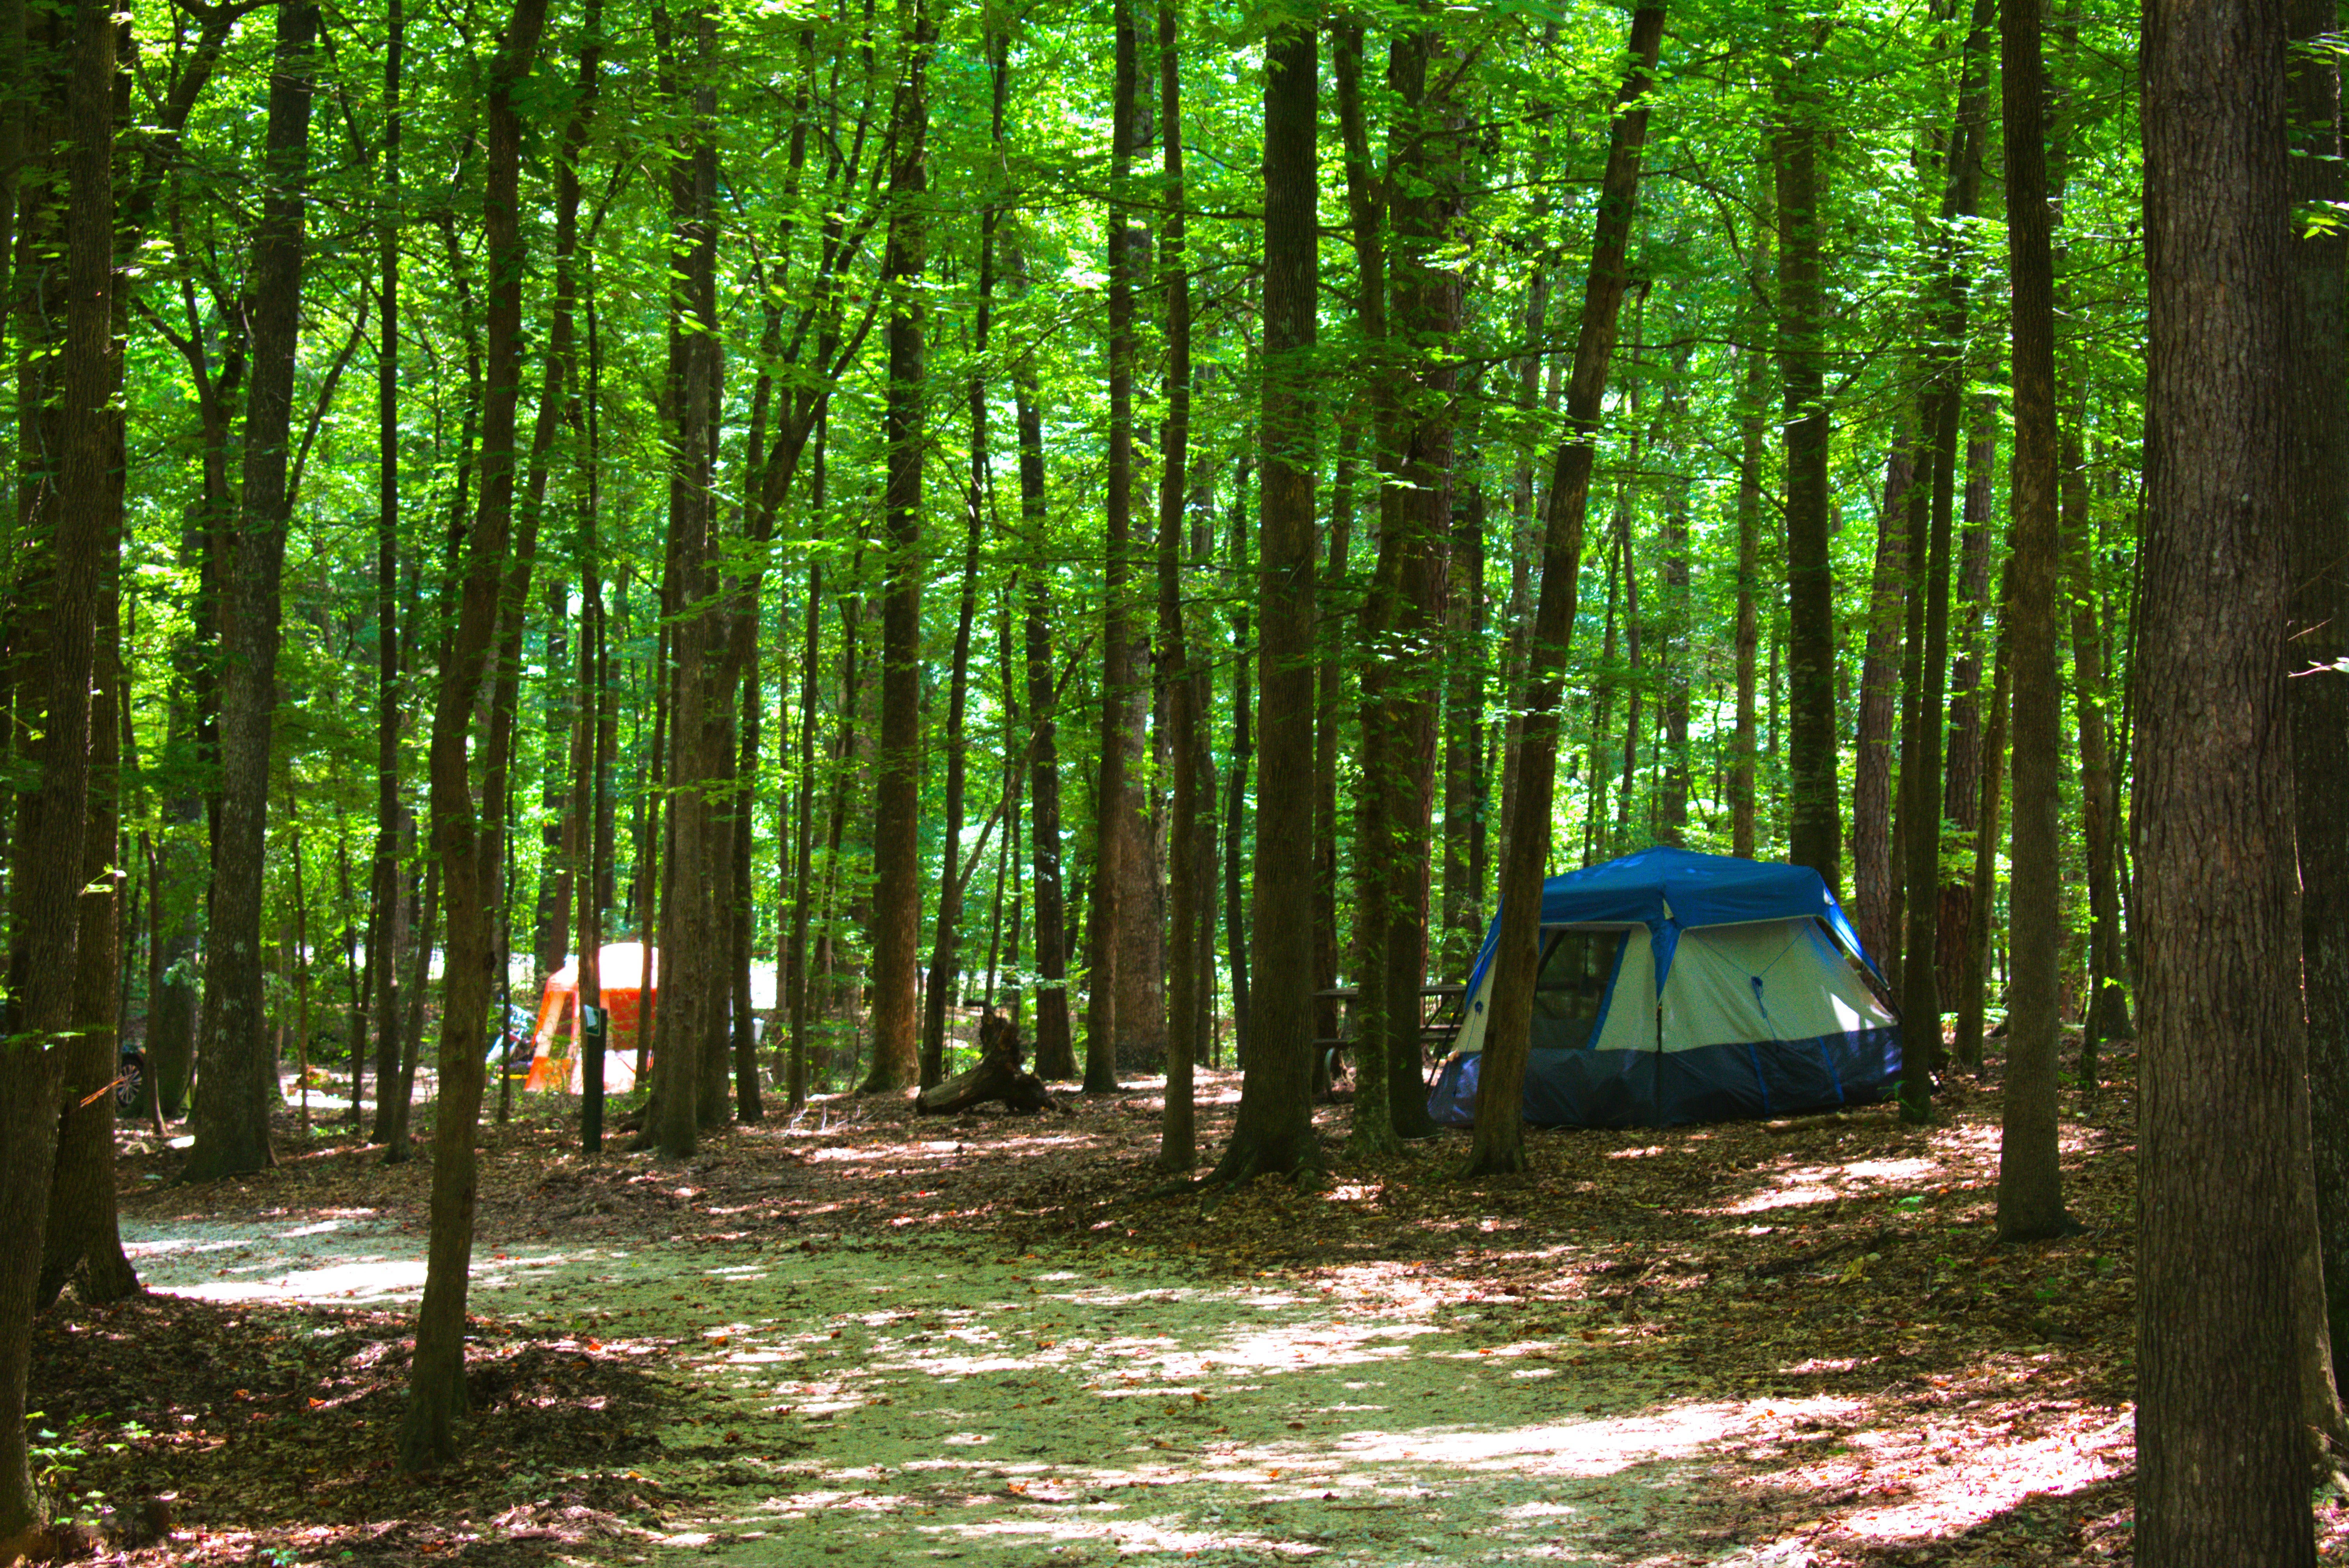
[[628, 987]]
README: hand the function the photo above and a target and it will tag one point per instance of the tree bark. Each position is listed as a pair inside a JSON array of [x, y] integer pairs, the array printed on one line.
[[1973, 980], [1672, 615], [2221, 1451], [83, 1240], [1236, 930], [231, 1117], [1931, 525], [1178, 1136], [1751, 412], [1962, 788], [2319, 642], [795, 1073], [79, 513], [1816, 829], [896, 848], [2030, 1176], [1404, 626], [383, 882], [1330, 697], [467, 857], [1873, 873], [1273, 1130], [1113, 831], [1499, 1134], [945, 968], [1055, 1051]]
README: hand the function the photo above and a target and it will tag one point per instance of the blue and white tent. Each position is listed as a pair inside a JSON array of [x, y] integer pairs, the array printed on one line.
[[1678, 987]]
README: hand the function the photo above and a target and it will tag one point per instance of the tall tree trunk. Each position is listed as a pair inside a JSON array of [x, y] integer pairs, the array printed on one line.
[[423, 917], [804, 886], [559, 743], [1463, 739], [83, 1241], [1055, 1051], [2222, 1475], [395, 1055], [591, 846], [1377, 863], [1602, 709], [1630, 566], [1816, 831], [741, 923], [1672, 619], [1329, 699], [1406, 614], [1917, 826], [1273, 1130], [1961, 792], [1178, 1141], [1235, 930], [383, 882], [1971, 994], [1113, 833], [1941, 411], [689, 1044], [468, 858], [71, 520], [2030, 1179], [231, 1117], [944, 964], [1499, 1135], [589, 790], [896, 848], [2319, 642], [1751, 412], [79, 513], [1874, 877]]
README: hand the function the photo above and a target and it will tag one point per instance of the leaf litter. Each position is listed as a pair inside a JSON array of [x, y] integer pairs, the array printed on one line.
[[863, 1333]]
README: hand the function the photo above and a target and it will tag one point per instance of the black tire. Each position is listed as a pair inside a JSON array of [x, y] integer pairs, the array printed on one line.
[[130, 1092]]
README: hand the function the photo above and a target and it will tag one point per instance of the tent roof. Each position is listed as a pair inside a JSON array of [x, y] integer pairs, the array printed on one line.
[[1688, 889], [1670, 890], [619, 966]]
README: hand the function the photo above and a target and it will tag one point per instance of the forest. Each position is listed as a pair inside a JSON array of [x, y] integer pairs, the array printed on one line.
[[1142, 534]]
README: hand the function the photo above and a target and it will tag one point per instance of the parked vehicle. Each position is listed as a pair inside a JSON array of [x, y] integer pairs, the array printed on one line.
[[513, 1045], [130, 1080]]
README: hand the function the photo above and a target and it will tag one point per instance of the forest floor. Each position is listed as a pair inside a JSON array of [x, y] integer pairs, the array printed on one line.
[[861, 1334]]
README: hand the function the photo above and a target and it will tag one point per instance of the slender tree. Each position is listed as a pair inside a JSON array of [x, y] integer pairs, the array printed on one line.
[[466, 856], [2030, 1177], [897, 894], [1499, 1139], [1178, 1144], [1816, 831]]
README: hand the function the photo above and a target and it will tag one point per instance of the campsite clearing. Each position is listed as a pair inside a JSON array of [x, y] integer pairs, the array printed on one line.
[[874, 1337]]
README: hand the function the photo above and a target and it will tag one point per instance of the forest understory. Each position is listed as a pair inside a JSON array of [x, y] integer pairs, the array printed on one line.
[[868, 1333]]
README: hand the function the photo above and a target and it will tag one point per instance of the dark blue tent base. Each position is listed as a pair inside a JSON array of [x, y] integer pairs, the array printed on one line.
[[1711, 1083]]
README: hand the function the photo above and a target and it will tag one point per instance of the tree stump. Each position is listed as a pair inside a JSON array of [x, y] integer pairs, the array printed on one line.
[[1000, 1075]]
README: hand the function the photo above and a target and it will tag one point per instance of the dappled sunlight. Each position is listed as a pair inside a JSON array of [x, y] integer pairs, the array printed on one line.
[[882, 1337], [1796, 1186]]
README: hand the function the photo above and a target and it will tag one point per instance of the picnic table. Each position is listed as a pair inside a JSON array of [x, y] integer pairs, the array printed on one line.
[[1441, 1011]]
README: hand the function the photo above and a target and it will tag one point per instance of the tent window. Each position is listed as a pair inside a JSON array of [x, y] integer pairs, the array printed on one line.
[[1572, 987]]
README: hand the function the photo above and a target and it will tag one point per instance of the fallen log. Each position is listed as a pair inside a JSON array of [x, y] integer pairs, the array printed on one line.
[[1000, 1075]]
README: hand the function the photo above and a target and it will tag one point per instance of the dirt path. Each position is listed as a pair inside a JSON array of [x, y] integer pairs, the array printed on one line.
[[932, 1396], [859, 1334]]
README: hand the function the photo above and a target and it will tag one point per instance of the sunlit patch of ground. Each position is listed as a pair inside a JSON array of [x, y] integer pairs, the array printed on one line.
[[890, 1339]]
